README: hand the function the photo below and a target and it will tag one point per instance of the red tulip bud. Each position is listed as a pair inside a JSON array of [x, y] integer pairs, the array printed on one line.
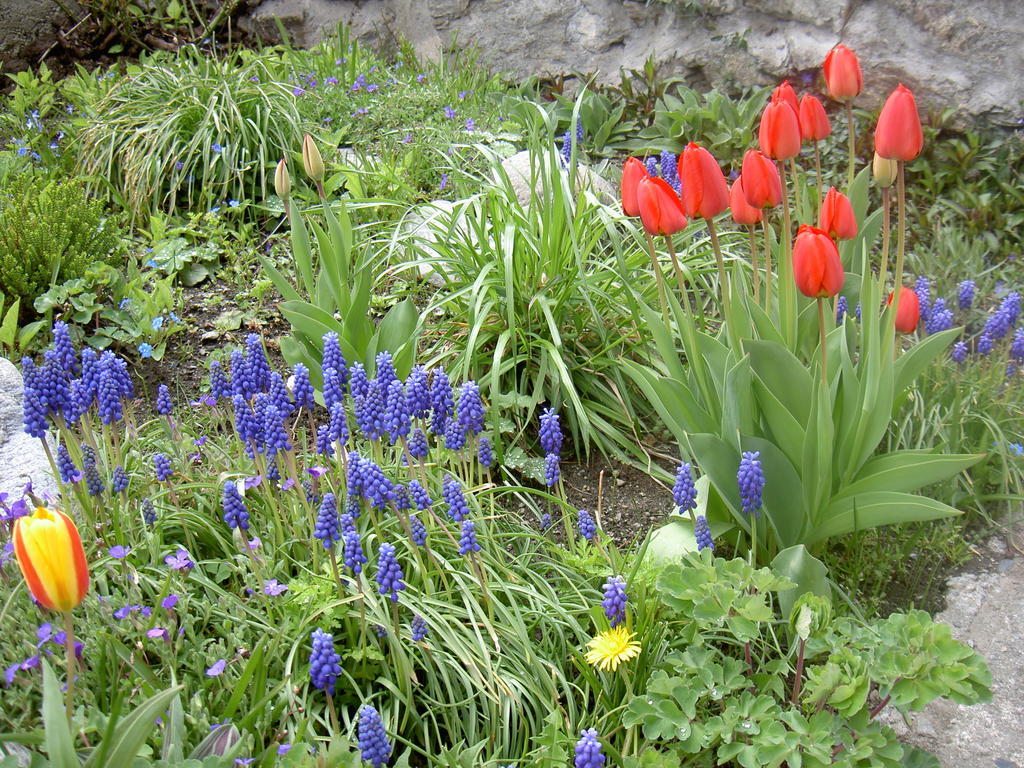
[[898, 133], [908, 312], [842, 73], [705, 193], [761, 182], [742, 211], [779, 132], [632, 172], [816, 265], [837, 217], [784, 91], [814, 124], [661, 210]]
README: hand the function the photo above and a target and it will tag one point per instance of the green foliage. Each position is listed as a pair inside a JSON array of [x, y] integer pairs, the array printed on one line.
[[14, 338], [189, 130], [727, 689], [50, 231]]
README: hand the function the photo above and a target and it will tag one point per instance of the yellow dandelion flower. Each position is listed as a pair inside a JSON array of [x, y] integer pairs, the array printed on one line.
[[612, 647]]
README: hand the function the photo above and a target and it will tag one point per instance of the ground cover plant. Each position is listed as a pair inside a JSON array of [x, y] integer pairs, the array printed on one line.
[[353, 546]]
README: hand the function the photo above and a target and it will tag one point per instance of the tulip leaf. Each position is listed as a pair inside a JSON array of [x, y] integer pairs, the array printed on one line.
[[803, 569], [907, 471], [131, 733], [783, 375], [877, 508], [59, 745], [912, 363]]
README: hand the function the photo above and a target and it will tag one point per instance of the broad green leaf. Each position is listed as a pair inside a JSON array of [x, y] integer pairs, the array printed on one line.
[[805, 570], [132, 732], [869, 510], [907, 471], [60, 747], [913, 362]]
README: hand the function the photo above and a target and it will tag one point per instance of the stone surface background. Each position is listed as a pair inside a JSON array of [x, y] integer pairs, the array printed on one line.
[[968, 56], [21, 456]]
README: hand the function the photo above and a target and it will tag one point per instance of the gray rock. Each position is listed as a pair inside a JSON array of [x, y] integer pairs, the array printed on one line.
[[522, 176], [965, 56], [21, 457]]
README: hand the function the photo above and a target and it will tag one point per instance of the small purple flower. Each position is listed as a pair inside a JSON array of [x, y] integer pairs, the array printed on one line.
[[274, 588], [217, 669], [118, 552], [684, 492], [157, 633], [959, 353], [169, 602], [419, 628], [444, 182], [324, 662], [449, 113], [179, 561], [389, 572], [217, 148]]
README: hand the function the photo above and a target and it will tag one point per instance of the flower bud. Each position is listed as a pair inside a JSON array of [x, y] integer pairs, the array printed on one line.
[[898, 133], [816, 266], [632, 173], [311, 159], [884, 170], [282, 181], [661, 210], [836, 216]]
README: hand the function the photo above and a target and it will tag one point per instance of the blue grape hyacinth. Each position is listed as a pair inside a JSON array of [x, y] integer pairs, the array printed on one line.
[[614, 602], [419, 628], [163, 468], [959, 352], [552, 470], [220, 388], [419, 531], [702, 532], [965, 294], [65, 466], [373, 739], [750, 478], [353, 549], [586, 525], [467, 538], [302, 389], [327, 529], [119, 482], [588, 750], [235, 513], [163, 400], [470, 410], [451, 490], [684, 492], [484, 452], [324, 662], [842, 305], [389, 573], [550, 432], [419, 495]]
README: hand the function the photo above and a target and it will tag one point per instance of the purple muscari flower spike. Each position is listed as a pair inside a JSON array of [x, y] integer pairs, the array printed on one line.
[[1011, 305], [579, 130], [959, 353], [53, 384], [702, 532], [856, 311], [333, 390], [467, 539], [550, 432], [163, 400], [417, 392], [256, 362], [418, 447], [841, 308], [65, 466], [586, 525], [324, 662], [119, 370], [470, 411], [93, 482], [1017, 347], [353, 549], [385, 370], [370, 413], [651, 163], [246, 426], [419, 495], [441, 401], [348, 524], [923, 290], [89, 383], [377, 489], [65, 348], [279, 396], [34, 412], [389, 573], [402, 501], [358, 383], [419, 531], [148, 511], [338, 425], [326, 528], [76, 407], [333, 358], [451, 490], [588, 750], [273, 473], [552, 470], [419, 628], [275, 436], [984, 344], [373, 739], [998, 324], [684, 492], [545, 521], [241, 379], [354, 477], [567, 147], [454, 436], [750, 478], [219, 386], [235, 513], [484, 452], [302, 390], [398, 417], [614, 602], [119, 482], [939, 317], [965, 294], [324, 442], [163, 467], [670, 170]]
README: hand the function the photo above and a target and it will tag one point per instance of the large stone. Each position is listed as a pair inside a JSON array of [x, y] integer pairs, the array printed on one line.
[[27, 29], [21, 457], [965, 56]]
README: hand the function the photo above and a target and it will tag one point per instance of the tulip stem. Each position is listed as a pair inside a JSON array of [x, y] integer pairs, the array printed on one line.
[[723, 276], [69, 649], [767, 267], [853, 144], [753, 264], [656, 266], [817, 171], [901, 213], [886, 205], [787, 288], [821, 330]]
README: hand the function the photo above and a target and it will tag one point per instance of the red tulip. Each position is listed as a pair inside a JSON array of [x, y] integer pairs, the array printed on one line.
[[785, 92], [779, 132], [705, 193], [632, 172], [842, 73], [909, 311], [898, 133], [816, 265], [836, 216], [661, 210], [761, 182], [742, 211], [814, 124]]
